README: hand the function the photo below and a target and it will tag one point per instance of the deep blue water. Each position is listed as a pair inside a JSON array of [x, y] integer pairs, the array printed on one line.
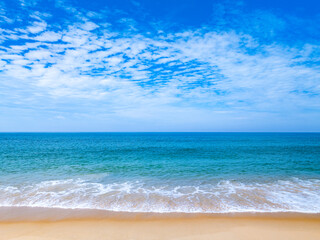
[[188, 172]]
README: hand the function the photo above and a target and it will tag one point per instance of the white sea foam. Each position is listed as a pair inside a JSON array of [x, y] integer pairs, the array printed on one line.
[[294, 195]]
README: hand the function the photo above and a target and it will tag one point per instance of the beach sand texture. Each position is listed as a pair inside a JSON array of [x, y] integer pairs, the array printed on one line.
[[246, 228]]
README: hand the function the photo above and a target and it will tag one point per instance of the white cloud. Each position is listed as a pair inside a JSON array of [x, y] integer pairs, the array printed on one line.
[[89, 26], [202, 72], [48, 36], [38, 55], [37, 27]]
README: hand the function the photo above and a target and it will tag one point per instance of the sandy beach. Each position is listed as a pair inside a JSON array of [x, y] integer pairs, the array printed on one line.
[[233, 227]]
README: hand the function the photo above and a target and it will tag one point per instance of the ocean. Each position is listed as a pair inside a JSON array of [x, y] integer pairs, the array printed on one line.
[[162, 172]]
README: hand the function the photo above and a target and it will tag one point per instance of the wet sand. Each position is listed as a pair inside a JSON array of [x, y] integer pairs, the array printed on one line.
[[192, 228]]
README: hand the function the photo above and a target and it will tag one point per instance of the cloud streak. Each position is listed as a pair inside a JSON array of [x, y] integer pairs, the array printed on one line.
[[135, 75]]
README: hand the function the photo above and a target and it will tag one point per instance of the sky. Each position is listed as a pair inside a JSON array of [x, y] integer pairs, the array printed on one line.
[[167, 65]]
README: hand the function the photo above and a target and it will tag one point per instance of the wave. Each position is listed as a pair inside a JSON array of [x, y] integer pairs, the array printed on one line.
[[294, 195]]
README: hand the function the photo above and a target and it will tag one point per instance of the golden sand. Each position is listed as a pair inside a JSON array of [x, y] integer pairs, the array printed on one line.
[[246, 228]]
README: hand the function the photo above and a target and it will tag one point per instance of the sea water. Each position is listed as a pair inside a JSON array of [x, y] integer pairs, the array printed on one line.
[[162, 172]]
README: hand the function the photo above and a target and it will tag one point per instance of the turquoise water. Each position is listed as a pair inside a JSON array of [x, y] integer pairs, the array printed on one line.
[[162, 172]]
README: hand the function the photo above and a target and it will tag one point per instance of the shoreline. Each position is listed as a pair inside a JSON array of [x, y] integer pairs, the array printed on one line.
[[34, 214]]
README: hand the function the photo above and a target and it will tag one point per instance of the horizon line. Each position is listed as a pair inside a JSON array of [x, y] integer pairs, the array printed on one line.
[[160, 132]]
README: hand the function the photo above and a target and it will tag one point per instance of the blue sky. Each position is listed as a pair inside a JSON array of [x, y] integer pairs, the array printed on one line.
[[79, 65]]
